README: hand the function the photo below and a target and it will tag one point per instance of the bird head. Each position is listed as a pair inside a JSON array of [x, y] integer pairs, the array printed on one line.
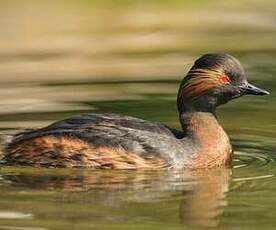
[[214, 79]]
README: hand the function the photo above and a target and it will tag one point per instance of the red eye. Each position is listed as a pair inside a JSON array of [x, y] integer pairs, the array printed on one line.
[[225, 79]]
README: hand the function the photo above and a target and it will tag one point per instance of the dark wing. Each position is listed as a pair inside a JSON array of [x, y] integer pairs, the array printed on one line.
[[132, 134]]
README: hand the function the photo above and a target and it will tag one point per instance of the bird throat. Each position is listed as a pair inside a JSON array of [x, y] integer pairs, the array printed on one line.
[[212, 141]]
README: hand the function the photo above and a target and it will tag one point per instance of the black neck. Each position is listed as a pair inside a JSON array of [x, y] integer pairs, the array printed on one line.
[[188, 118], [206, 103]]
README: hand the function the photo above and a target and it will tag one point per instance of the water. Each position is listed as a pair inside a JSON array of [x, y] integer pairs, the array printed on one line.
[[66, 58]]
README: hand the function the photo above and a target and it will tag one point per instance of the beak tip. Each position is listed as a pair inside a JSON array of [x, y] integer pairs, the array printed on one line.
[[265, 92]]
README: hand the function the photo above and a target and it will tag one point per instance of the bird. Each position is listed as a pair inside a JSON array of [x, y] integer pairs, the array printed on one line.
[[113, 141]]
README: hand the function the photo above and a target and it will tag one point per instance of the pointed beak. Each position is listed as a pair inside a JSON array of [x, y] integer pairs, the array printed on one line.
[[248, 88]]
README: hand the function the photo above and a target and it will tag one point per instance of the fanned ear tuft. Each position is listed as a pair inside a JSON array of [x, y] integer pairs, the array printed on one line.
[[198, 81]]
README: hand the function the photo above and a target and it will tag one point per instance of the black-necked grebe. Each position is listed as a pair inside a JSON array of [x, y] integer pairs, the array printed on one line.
[[122, 142]]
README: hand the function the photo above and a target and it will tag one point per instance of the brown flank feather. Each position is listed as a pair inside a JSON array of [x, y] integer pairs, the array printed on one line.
[[51, 151]]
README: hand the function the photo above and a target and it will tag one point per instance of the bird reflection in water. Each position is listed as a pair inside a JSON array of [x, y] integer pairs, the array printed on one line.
[[198, 197], [205, 202]]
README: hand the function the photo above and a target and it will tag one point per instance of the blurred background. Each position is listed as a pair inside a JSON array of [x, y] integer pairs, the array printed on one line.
[[59, 58], [52, 53]]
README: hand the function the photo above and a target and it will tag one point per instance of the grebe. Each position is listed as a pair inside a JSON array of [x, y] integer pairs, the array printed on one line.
[[101, 141]]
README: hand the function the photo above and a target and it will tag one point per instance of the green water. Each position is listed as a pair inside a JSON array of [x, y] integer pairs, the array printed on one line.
[[68, 57]]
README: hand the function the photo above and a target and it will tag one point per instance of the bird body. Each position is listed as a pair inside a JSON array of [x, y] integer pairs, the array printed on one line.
[[101, 141]]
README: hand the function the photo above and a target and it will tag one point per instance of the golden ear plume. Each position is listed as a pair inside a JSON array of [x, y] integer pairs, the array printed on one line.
[[198, 81]]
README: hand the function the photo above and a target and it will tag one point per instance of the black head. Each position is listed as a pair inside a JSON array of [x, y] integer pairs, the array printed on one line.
[[214, 79]]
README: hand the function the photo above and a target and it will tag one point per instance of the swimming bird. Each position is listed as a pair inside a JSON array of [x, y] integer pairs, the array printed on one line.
[[111, 141]]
